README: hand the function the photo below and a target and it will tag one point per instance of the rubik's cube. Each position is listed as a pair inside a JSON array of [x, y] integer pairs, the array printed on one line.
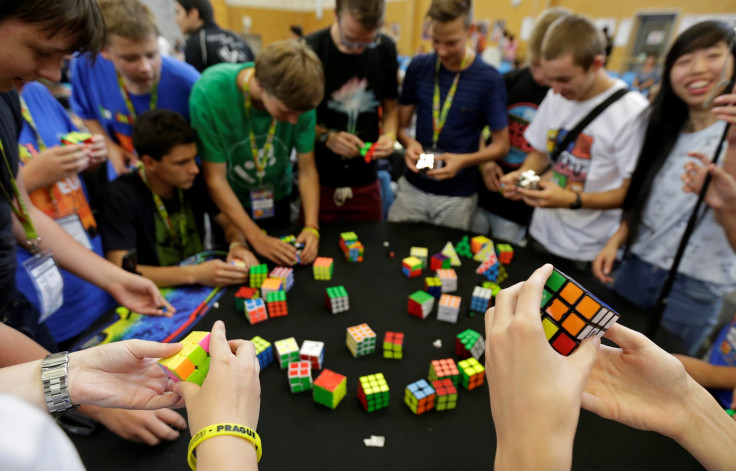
[[238, 263], [287, 351], [289, 239], [419, 396], [433, 286], [76, 137], [351, 247], [463, 248], [448, 278], [477, 243], [299, 246], [451, 253], [439, 261], [285, 274], [192, 362], [322, 268], [448, 308], [469, 343], [411, 266], [336, 299], [373, 392], [313, 351], [444, 369], [276, 303], [329, 388], [242, 294], [505, 253], [494, 287], [481, 299], [420, 304], [472, 373], [361, 340], [271, 285], [264, 351], [446, 394], [258, 274], [421, 253], [300, 376], [485, 252], [255, 310], [570, 314], [393, 345]]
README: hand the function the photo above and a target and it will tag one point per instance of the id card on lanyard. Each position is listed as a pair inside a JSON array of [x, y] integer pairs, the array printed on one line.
[[262, 202], [73, 226], [47, 280]]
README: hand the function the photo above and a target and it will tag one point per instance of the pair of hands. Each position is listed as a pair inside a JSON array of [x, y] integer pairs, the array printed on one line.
[[120, 158], [60, 162], [349, 145], [453, 163], [284, 254], [549, 194], [222, 273]]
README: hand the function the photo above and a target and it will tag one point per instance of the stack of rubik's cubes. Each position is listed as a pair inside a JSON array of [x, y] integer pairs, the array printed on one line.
[[351, 247]]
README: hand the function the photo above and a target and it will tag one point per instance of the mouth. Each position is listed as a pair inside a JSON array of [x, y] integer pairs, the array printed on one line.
[[699, 87], [19, 83]]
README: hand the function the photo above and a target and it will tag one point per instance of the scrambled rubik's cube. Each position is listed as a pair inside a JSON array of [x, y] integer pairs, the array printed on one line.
[[276, 303], [505, 253], [373, 392], [411, 267], [448, 278], [448, 308], [421, 253], [451, 253], [336, 299], [323, 267], [469, 343], [393, 345], [351, 247], [313, 351], [271, 285], [300, 376], [439, 261], [242, 295], [287, 351], [446, 394], [472, 373], [258, 274], [444, 369], [481, 299], [285, 274], [76, 137], [299, 246], [477, 243], [264, 351], [433, 286], [238, 263], [570, 314], [419, 396], [361, 340], [192, 362], [463, 248], [494, 287], [255, 310], [485, 251], [420, 304], [329, 388]]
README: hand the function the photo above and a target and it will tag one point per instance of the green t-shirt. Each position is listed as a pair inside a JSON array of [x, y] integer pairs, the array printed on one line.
[[169, 252], [217, 108]]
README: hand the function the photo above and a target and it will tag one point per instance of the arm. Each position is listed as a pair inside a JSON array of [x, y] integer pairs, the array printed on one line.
[[390, 127], [551, 195], [238, 244], [119, 157], [536, 160], [412, 146], [455, 162], [603, 262], [707, 375], [54, 164], [309, 192]]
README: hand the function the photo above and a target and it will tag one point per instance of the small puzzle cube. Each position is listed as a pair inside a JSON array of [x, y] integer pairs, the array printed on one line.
[[336, 299], [373, 392], [287, 351], [448, 278], [238, 263], [477, 243], [393, 345], [245, 292], [354, 251], [481, 300], [285, 274], [264, 351], [472, 373], [445, 394], [313, 351], [420, 304], [444, 369], [439, 261], [433, 286], [361, 340], [258, 274], [192, 362], [329, 388], [419, 396], [255, 310], [276, 303], [300, 376], [505, 253], [323, 267], [448, 308], [421, 253], [469, 343], [411, 267], [271, 285]]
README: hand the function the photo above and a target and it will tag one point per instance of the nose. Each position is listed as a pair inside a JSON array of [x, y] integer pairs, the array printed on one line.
[[50, 69], [194, 168], [293, 118], [145, 65], [700, 63]]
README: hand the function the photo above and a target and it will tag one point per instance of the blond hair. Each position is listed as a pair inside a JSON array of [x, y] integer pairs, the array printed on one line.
[[291, 72], [576, 35], [541, 25], [368, 13], [128, 18], [444, 11]]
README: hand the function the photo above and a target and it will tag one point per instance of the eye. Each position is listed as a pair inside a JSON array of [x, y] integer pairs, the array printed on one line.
[[41, 53]]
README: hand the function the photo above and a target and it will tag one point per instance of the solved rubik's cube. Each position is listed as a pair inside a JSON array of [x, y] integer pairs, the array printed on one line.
[[393, 345], [264, 351], [258, 274], [463, 248], [469, 343], [336, 299], [287, 351], [323, 267], [433, 286], [419, 396], [271, 285], [472, 373], [329, 388], [445, 394], [255, 310], [444, 369], [361, 340], [505, 253], [448, 278], [481, 299], [300, 376], [242, 295], [285, 274], [351, 247], [276, 303], [448, 308], [313, 351], [192, 362], [421, 253], [411, 267], [439, 261], [570, 314], [420, 304], [373, 392]]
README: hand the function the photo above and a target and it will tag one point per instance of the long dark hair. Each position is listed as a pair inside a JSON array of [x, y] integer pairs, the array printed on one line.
[[668, 116]]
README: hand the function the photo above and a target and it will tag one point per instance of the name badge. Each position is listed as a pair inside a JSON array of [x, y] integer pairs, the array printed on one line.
[[46, 277], [73, 226], [262, 203]]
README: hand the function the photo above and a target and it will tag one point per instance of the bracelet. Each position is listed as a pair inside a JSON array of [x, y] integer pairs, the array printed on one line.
[[215, 430], [313, 230]]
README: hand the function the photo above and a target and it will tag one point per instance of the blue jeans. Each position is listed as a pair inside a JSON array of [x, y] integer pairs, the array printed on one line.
[[693, 306], [387, 194]]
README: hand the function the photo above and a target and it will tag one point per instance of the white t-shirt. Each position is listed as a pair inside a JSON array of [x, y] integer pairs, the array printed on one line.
[[708, 256], [602, 157]]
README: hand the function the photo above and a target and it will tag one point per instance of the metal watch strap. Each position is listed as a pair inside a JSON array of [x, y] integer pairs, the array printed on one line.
[[54, 369]]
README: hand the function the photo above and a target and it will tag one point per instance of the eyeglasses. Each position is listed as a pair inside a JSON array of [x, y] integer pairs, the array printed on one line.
[[357, 44]]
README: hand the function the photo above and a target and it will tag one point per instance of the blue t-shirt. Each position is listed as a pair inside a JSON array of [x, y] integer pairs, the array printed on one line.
[[83, 301], [723, 353], [480, 100]]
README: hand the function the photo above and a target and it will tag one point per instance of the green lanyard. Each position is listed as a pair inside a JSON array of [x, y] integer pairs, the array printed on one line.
[[129, 103], [164, 214], [260, 156], [18, 206], [439, 119], [32, 124]]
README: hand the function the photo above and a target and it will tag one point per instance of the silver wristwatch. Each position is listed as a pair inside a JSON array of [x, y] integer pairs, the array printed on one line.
[[54, 369]]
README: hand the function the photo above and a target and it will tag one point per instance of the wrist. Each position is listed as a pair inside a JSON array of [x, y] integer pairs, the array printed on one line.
[[577, 200]]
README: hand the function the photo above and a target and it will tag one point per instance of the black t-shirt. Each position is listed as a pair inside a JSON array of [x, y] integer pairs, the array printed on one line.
[[211, 45], [11, 123], [128, 216], [524, 97], [355, 85]]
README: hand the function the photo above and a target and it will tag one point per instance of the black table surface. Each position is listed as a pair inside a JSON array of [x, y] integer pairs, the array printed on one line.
[[298, 433]]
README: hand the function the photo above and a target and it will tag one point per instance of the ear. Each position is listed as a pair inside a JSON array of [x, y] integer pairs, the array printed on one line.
[[105, 53], [149, 162], [598, 62]]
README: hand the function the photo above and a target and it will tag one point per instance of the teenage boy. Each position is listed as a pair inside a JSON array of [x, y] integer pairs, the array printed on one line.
[[207, 44], [159, 209], [249, 118], [576, 209], [455, 96], [128, 79], [360, 68]]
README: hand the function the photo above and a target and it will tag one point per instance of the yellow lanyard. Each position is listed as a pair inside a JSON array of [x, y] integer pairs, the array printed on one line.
[[260, 156], [180, 240], [18, 206], [440, 118], [129, 103], [26, 113]]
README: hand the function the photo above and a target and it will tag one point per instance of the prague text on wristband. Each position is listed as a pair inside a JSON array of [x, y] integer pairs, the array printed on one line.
[[215, 430], [313, 230]]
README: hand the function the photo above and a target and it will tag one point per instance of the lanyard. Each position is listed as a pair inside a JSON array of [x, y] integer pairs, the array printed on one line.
[[440, 118], [259, 155], [129, 103], [164, 214], [18, 206], [31, 124]]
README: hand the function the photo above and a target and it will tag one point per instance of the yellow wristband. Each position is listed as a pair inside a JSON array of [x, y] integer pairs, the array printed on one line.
[[312, 230], [216, 430]]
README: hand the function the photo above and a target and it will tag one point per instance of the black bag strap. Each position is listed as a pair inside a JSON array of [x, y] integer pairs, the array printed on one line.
[[572, 135]]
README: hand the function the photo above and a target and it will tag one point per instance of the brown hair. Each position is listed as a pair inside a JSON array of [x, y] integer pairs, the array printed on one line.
[[576, 35], [368, 13], [541, 25], [445, 11], [291, 72], [128, 18]]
